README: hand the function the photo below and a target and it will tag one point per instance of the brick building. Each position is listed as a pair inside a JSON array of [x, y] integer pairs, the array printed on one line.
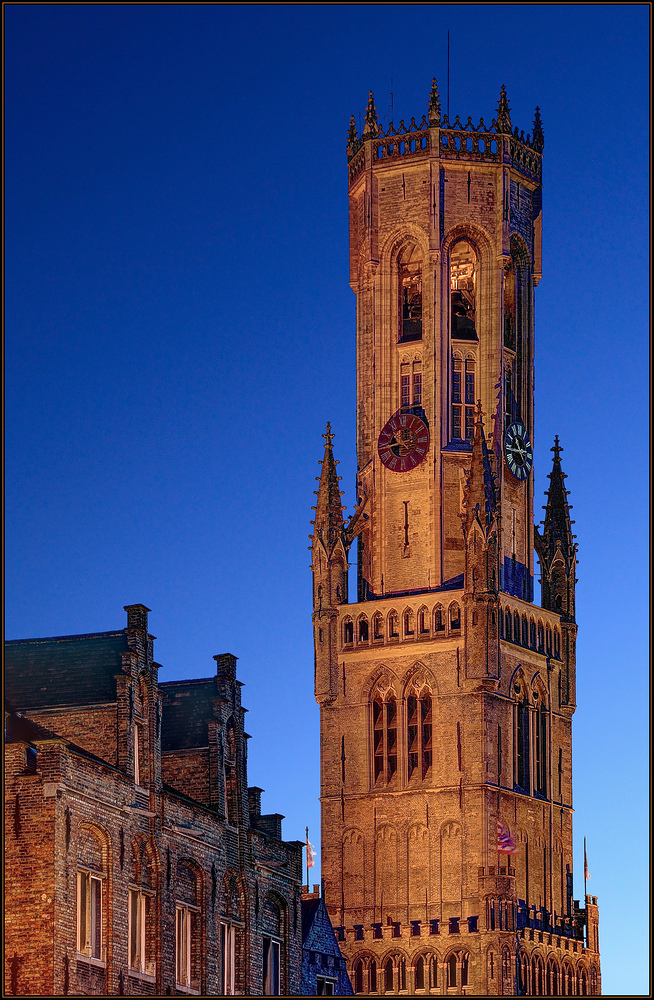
[[137, 860], [324, 971], [446, 693]]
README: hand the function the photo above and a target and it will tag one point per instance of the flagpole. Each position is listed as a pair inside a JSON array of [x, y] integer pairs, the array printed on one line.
[[585, 871], [306, 851]]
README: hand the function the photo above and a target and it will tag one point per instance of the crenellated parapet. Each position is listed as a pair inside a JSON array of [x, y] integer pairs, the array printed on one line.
[[436, 135]]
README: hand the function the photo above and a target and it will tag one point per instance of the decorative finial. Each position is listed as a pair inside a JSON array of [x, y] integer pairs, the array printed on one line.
[[352, 136], [329, 437], [557, 449], [372, 127], [538, 140], [434, 110], [503, 113]]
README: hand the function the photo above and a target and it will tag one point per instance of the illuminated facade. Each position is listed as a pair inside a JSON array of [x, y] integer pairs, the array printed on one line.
[[446, 693]]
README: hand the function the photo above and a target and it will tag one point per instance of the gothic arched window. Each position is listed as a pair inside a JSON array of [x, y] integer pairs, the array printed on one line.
[[409, 282], [419, 734], [541, 638], [522, 742], [358, 976], [388, 976], [451, 971], [463, 397], [377, 626], [532, 633], [384, 723], [363, 629], [508, 631], [540, 762], [455, 617], [348, 631], [516, 627], [463, 292], [393, 625], [439, 623], [525, 631], [552, 979], [420, 974]]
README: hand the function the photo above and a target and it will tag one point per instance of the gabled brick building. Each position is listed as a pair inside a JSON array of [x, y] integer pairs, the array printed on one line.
[[137, 861]]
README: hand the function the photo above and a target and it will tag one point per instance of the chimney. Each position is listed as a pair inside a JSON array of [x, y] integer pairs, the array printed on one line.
[[226, 665], [254, 803], [137, 617]]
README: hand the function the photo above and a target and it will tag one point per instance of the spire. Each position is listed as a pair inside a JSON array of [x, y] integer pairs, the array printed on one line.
[[351, 137], [372, 128], [328, 523], [434, 110], [538, 139], [503, 113], [480, 491], [557, 550], [557, 525]]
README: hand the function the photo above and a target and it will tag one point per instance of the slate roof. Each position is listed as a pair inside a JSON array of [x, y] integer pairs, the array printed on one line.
[[63, 670], [186, 708]]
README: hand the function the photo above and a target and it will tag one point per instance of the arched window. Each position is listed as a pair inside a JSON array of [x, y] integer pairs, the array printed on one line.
[[373, 976], [230, 767], [92, 858], [384, 721], [274, 927], [388, 976], [187, 926], [439, 622], [377, 626], [358, 976], [401, 974], [540, 754], [532, 633], [451, 971], [593, 980], [363, 629], [408, 622], [423, 621], [410, 295], [568, 981], [510, 307], [393, 625], [433, 972], [516, 627], [463, 291], [455, 617], [420, 974], [557, 644], [524, 974], [522, 740], [552, 979], [464, 970], [541, 638], [548, 640], [525, 631], [508, 631], [419, 734], [582, 982], [348, 631]]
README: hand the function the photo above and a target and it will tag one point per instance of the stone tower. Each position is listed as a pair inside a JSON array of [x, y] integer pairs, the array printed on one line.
[[446, 693]]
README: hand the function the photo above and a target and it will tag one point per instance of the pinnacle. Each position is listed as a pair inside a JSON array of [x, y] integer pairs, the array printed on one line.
[[434, 110], [480, 490], [503, 113], [329, 510]]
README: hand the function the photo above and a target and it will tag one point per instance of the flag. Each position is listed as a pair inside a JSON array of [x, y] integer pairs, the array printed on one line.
[[311, 853], [505, 842]]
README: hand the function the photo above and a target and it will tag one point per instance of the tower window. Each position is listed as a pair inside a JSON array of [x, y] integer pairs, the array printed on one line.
[[541, 750], [439, 624], [507, 624], [384, 722], [410, 295], [358, 976], [463, 292], [541, 638], [463, 398], [411, 383], [388, 976], [419, 735], [451, 970], [522, 744], [510, 307], [420, 973]]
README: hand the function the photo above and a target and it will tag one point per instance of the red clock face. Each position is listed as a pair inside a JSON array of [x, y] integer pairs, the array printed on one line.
[[403, 442]]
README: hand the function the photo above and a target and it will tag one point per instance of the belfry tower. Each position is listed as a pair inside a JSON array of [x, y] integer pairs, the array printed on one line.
[[446, 693]]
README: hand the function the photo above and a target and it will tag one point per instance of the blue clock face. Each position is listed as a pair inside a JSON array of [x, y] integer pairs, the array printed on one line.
[[517, 451]]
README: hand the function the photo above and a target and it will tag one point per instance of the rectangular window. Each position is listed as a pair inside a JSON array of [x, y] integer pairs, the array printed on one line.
[[406, 390], [457, 427], [139, 927], [470, 382], [227, 959], [89, 915], [137, 754], [417, 388], [325, 987], [470, 422], [271, 981], [186, 947]]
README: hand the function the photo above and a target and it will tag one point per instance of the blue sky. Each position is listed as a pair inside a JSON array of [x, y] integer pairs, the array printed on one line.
[[179, 329]]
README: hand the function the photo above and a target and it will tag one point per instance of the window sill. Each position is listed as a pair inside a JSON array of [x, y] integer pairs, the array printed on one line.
[[190, 990], [97, 963], [142, 976]]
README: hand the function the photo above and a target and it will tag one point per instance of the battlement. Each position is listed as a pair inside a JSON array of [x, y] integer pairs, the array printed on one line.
[[435, 135]]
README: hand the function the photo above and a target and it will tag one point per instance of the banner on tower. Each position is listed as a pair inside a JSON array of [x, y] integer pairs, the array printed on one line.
[[505, 842]]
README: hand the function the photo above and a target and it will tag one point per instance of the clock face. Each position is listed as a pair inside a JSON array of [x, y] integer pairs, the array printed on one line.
[[517, 451], [403, 442]]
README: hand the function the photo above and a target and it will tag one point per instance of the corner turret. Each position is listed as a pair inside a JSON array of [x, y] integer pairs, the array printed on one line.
[[481, 531], [556, 548]]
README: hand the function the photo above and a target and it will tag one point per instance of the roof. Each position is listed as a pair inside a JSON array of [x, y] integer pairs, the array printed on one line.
[[187, 706], [63, 670], [317, 930]]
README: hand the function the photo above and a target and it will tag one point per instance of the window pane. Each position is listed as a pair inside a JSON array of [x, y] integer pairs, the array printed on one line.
[[96, 918]]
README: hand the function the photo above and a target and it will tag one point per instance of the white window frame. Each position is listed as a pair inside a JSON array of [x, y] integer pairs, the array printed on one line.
[[90, 937], [186, 918], [328, 984], [227, 958], [272, 970], [139, 915]]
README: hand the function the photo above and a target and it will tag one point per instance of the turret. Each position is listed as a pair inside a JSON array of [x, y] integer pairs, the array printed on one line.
[[481, 531], [556, 548]]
